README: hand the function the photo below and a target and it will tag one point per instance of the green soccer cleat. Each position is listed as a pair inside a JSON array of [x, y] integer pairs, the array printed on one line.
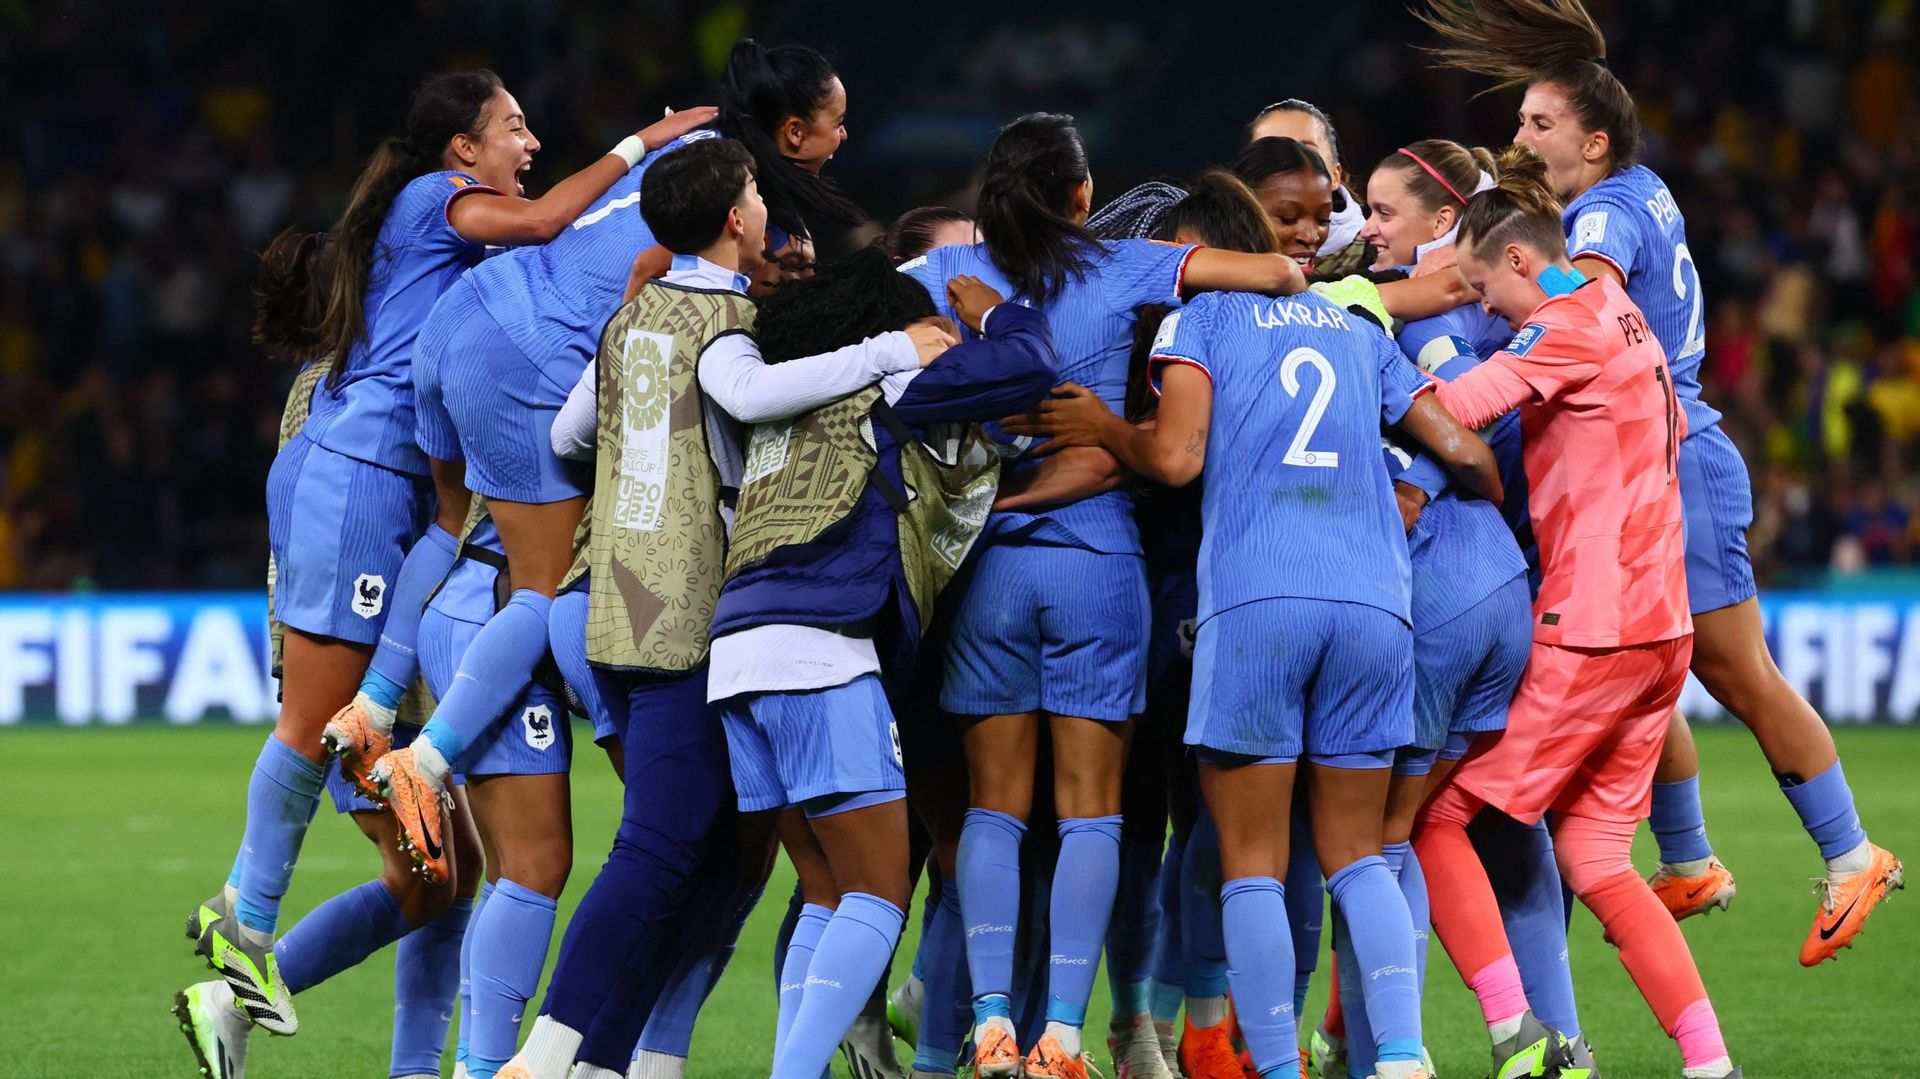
[[211, 911], [1327, 1054], [250, 969], [1535, 1051], [216, 1030], [903, 1010]]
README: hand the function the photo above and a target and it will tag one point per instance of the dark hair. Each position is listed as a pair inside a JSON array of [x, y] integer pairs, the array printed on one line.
[[1033, 167], [1273, 156], [760, 88], [1294, 104], [1523, 42], [689, 192], [849, 299], [445, 105], [289, 292], [911, 234], [1459, 166], [1519, 208], [1223, 212], [1137, 212]]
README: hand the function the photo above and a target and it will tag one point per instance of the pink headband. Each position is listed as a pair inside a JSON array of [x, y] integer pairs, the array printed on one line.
[[1435, 174]]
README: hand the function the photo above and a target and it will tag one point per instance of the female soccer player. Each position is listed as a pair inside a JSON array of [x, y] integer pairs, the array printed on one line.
[[1344, 250], [1053, 626], [1611, 631], [1621, 222], [347, 496], [1300, 387], [517, 333]]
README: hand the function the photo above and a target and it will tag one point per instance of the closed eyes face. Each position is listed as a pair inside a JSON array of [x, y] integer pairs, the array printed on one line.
[[1549, 124]]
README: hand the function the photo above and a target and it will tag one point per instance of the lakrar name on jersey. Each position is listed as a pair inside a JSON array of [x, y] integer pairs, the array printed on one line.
[[1281, 313]]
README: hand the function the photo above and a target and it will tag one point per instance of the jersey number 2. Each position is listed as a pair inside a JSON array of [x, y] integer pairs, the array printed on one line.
[[1696, 332], [1297, 452]]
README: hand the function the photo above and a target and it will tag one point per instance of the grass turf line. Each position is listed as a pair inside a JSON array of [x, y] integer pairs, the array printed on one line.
[[112, 834]]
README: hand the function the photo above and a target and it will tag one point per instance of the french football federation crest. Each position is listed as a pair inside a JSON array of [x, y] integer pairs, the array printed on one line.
[[538, 724], [369, 594]]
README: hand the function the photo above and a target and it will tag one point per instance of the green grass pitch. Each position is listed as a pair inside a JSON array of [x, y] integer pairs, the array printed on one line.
[[112, 835]]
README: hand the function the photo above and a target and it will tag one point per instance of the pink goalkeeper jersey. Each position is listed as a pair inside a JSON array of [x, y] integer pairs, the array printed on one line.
[[1601, 428]]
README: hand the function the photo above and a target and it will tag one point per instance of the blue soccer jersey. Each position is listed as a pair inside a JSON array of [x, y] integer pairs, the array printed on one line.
[[1630, 221], [1298, 502], [552, 300], [368, 413], [1429, 342], [1092, 318]]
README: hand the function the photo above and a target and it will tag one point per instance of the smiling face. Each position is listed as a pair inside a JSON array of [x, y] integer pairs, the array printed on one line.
[[750, 214], [1397, 224], [504, 147], [1507, 281], [1576, 157], [1301, 206], [809, 141]]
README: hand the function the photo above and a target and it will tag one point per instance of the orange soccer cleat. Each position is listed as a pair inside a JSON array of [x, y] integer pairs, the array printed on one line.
[[1685, 897], [1049, 1060], [1208, 1053], [422, 810], [351, 737], [1845, 903], [995, 1054]]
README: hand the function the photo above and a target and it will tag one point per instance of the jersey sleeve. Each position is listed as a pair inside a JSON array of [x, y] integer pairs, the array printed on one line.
[[1185, 337], [1400, 381], [1143, 271], [1609, 231], [430, 201]]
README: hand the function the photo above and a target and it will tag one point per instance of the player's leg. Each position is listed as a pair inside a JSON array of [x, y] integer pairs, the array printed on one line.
[[937, 793], [426, 962], [1249, 800], [1732, 661], [1136, 914], [529, 819], [1689, 879]]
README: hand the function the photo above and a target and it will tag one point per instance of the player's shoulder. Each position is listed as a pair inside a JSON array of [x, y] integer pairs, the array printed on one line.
[[1566, 327]]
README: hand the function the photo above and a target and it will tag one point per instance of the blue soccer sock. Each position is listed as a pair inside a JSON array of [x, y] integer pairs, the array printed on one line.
[[1169, 962], [281, 797], [396, 662], [1306, 907], [338, 934], [1413, 887], [239, 862], [1202, 935], [1358, 1033], [1825, 805], [1083, 887], [669, 1028], [807, 931], [567, 636], [1131, 932], [492, 674], [1261, 971], [849, 961], [466, 974], [1526, 882], [1679, 825], [943, 958], [989, 872], [426, 982], [510, 938], [1382, 932]]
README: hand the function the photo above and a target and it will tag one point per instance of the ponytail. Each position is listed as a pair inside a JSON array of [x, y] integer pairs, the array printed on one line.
[[287, 296], [1440, 172], [1524, 42], [1520, 208], [760, 88], [454, 103], [1034, 166]]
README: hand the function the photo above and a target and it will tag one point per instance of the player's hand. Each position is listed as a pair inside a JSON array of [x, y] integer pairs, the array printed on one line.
[[972, 298], [1412, 500], [931, 339], [676, 124], [1073, 416]]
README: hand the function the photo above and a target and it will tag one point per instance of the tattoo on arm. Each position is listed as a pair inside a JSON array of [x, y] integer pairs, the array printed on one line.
[[1197, 445]]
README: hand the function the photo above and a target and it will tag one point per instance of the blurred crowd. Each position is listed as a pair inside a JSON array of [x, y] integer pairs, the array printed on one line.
[[150, 155]]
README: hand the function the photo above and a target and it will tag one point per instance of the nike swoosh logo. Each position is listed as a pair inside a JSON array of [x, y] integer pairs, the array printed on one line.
[[1696, 893], [433, 849], [1828, 932]]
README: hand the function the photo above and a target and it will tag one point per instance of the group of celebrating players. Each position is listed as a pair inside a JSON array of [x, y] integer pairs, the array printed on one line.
[[1223, 480]]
